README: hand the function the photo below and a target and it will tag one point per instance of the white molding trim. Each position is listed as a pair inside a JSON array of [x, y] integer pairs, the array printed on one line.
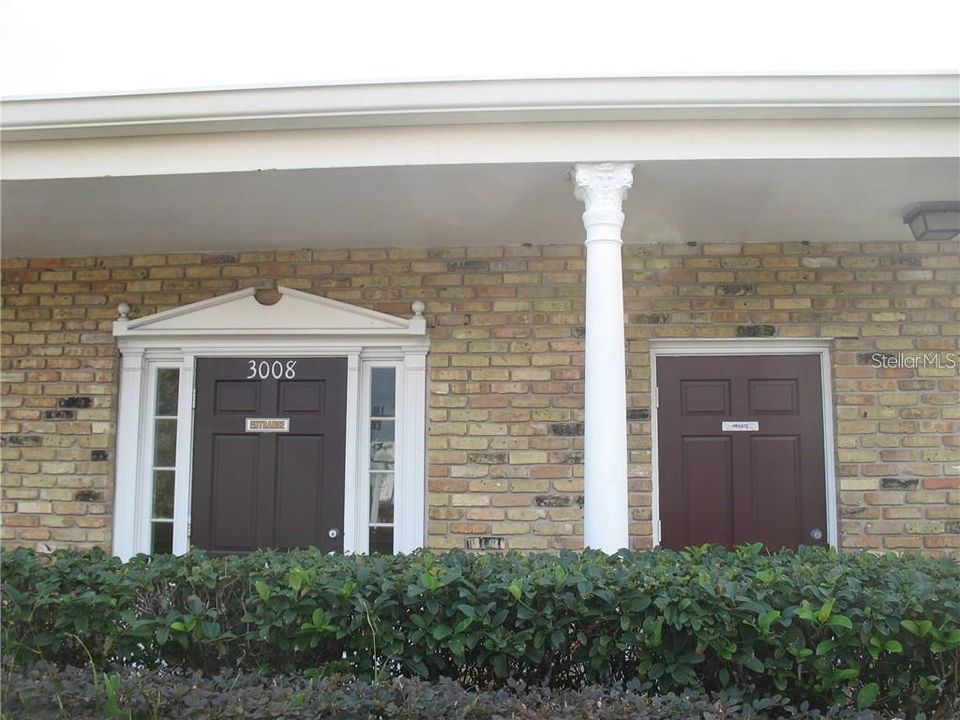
[[458, 102], [752, 346], [298, 325], [240, 312]]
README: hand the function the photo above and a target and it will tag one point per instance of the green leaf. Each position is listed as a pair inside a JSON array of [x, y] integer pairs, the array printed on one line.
[[211, 630], [442, 631], [468, 610], [752, 662], [767, 619], [515, 588], [418, 667], [866, 696], [262, 590], [840, 621], [195, 604], [824, 614], [917, 627], [893, 646], [295, 579]]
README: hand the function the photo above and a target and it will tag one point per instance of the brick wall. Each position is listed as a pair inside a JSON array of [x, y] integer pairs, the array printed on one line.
[[506, 373]]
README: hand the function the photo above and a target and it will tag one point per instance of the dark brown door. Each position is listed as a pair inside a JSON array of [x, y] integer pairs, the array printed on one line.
[[741, 451], [268, 454]]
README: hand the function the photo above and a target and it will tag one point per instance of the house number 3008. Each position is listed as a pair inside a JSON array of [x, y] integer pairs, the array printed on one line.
[[278, 370]]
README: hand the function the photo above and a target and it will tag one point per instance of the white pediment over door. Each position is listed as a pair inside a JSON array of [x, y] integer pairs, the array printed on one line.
[[295, 313]]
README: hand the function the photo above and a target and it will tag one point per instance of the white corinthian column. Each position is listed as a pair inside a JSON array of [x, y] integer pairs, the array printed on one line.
[[602, 188]]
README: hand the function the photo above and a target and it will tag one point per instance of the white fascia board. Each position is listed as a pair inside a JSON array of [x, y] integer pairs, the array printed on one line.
[[482, 101], [562, 143]]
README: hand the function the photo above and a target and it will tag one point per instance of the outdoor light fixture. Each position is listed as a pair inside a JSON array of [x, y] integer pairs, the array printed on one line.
[[934, 220]]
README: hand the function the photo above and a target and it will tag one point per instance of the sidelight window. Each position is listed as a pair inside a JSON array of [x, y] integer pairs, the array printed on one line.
[[164, 459], [381, 462]]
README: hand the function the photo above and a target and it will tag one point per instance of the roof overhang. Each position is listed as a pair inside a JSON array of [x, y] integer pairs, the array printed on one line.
[[719, 159], [482, 101]]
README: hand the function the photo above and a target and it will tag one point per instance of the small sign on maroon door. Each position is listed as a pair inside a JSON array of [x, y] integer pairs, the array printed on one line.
[[263, 425], [740, 426]]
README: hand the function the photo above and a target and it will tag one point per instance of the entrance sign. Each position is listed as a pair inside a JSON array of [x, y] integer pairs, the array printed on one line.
[[745, 426], [268, 425]]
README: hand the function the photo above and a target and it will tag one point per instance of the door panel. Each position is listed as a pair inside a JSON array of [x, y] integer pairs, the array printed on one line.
[[299, 500], [236, 396], [302, 396], [707, 478], [774, 504], [772, 396], [263, 489], [235, 461], [711, 397], [767, 485]]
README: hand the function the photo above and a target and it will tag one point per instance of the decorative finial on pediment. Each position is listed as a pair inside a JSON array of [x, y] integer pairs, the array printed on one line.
[[418, 307], [123, 310]]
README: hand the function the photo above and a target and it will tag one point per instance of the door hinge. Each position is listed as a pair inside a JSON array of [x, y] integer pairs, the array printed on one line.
[[189, 528], [193, 401], [656, 396]]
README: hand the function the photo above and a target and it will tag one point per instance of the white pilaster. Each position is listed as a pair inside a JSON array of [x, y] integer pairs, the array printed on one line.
[[602, 188], [127, 521]]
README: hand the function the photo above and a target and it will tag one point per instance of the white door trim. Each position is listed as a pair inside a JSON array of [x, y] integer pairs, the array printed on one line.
[[236, 325], [751, 346]]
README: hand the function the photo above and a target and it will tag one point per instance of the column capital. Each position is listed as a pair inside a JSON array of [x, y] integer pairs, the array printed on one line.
[[602, 186]]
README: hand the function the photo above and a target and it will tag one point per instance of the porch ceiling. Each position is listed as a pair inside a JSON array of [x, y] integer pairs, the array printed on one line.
[[705, 200]]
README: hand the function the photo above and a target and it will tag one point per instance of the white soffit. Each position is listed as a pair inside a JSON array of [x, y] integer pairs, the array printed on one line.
[[839, 200]]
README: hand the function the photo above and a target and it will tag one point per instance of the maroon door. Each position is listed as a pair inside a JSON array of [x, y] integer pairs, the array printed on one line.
[[268, 454], [741, 451]]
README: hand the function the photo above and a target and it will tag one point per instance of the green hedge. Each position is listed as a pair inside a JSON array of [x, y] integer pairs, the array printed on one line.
[[877, 631], [46, 692]]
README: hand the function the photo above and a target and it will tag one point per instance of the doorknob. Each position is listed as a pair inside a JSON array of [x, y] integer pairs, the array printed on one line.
[[333, 532], [816, 534]]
